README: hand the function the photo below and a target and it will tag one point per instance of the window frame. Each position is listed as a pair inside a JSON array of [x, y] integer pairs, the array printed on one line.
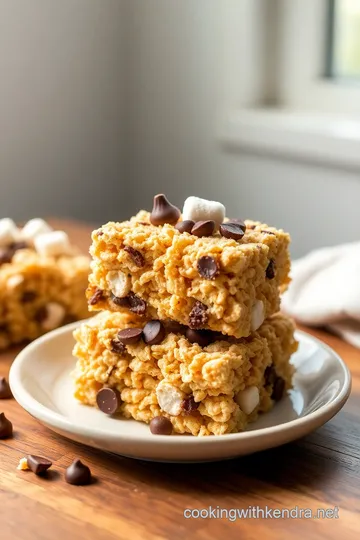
[[265, 108], [303, 67]]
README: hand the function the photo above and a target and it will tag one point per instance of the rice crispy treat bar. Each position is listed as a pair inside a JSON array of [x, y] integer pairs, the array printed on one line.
[[210, 282], [42, 282], [214, 389]]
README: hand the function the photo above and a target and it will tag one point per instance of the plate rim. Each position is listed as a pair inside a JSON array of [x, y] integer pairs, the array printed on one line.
[[55, 419]]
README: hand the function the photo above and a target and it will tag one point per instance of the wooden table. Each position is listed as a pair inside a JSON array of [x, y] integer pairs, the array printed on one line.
[[135, 500]]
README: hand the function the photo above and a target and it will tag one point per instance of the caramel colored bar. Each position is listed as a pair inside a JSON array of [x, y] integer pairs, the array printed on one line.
[[211, 282], [39, 293], [214, 389]]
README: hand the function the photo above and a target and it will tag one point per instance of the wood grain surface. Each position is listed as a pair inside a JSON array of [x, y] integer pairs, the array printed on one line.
[[141, 500]]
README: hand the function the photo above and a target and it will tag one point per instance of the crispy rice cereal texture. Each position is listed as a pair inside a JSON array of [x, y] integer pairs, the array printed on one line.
[[165, 275], [214, 375], [39, 293]]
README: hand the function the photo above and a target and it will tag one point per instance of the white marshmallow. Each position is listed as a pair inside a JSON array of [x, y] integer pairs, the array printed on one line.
[[257, 315], [119, 283], [169, 398], [8, 232], [198, 209], [13, 281], [34, 228], [55, 316], [52, 244], [248, 399]]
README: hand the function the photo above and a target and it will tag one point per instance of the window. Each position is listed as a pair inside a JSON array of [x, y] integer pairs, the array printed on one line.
[[343, 50], [292, 79], [318, 50]]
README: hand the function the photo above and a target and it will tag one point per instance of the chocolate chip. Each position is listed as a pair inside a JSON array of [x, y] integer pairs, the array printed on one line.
[[97, 297], [185, 226], [154, 332], [163, 211], [5, 392], [38, 464], [6, 428], [41, 314], [278, 389], [132, 302], [189, 405], [207, 267], [108, 400], [129, 336], [232, 230], [198, 316], [99, 232], [123, 302], [202, 337], [251, 227], [136, 256], [270, 271], [78, 474], [6, 256], [269, 232], [270, 375], [203, 228], [4, 327], [160, 425], [240, 222], [175, 327], [145, 223], [136, 304], [117, 347], [28, 296], [16, 246]]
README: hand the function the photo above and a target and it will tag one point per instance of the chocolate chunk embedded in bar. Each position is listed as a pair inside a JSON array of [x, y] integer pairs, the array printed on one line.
[[136, 256], [154, 332], [232, 230], [129, 335], [108, 400], [207, 267], [198, 316]]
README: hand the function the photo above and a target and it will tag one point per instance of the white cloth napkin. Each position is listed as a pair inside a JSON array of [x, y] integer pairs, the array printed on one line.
[[325, 290]]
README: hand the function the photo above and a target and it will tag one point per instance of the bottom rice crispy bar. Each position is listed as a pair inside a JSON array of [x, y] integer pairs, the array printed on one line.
[[215, 389]]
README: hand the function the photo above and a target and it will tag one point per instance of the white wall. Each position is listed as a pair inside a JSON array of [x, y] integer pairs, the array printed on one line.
[[62, 108], [104, 103], [178, 73]]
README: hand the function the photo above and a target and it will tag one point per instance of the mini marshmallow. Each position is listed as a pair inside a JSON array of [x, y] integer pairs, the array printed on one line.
[[198, 209], [8, 232], [119, 283], [34, 228], [52, 244], [169, 398], [248, 399], [55, 316], [257, 315]]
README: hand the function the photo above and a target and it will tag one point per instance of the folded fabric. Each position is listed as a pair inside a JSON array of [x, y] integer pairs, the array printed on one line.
[[325, 290]]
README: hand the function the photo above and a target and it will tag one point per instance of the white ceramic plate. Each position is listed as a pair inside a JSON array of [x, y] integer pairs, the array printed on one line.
[[40, 381]]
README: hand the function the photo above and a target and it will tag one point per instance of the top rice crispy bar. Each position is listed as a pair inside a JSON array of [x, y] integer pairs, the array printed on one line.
[[212, 282]]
